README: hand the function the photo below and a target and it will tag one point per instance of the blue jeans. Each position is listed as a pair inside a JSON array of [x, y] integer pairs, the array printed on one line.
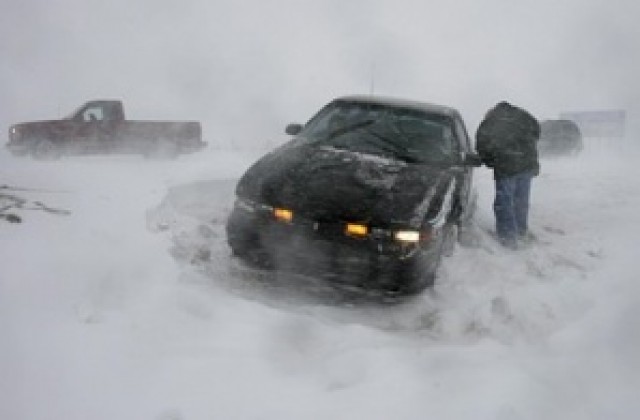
[[511, 206]]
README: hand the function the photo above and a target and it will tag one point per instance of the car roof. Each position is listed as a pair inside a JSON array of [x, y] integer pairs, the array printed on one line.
[[559, 122], [399, 102], [103, 101]]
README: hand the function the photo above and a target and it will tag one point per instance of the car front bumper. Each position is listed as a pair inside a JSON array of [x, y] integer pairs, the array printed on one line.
[[322, 250], [17, 148]]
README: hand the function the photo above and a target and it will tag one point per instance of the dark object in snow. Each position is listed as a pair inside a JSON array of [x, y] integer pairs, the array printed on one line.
[[370, 193], [37, 205], [559, 138], [11, 217], [507, 142], [11, 201], [100, 127]]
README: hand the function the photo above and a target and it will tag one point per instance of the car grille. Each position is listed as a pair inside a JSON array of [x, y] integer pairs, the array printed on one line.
[[322, 249]]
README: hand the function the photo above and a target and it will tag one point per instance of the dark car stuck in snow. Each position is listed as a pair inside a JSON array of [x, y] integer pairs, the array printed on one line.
[[560, 138], [100, 127], [368, 194]]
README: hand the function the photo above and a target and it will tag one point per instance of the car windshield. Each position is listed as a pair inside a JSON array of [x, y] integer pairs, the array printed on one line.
[[406, 134]]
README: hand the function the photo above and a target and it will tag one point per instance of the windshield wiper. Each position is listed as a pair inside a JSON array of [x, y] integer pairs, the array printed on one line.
[[402, 153]]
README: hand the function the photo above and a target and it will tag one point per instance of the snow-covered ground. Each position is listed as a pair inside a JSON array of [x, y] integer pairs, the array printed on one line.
[[118, 300]]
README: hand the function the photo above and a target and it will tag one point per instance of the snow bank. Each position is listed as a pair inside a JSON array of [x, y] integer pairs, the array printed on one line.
[[129, 307]]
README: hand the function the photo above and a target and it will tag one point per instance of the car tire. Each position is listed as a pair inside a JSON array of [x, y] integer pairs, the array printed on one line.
[[415, 284], [450, 232], [416, 278], [244, 247], [19, 153], [45, 149], [425, 276], [427, 280]]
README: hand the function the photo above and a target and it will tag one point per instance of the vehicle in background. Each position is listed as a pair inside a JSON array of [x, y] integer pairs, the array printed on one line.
[[559, 138], [369, 194], [100, 127]]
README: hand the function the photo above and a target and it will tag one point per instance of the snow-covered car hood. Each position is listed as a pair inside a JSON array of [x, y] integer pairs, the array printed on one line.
[[324, 183]]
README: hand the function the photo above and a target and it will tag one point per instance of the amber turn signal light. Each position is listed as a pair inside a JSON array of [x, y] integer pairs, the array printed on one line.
[[356, 229], [283, 215]]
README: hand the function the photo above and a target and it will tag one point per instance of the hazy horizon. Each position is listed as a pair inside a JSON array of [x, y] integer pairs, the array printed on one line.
[[245, 69]]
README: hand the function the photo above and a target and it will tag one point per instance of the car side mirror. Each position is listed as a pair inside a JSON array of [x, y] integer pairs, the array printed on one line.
[[472, 159], [293, 129]]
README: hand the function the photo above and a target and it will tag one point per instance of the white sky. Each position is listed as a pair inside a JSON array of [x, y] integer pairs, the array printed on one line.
[[246, 68]]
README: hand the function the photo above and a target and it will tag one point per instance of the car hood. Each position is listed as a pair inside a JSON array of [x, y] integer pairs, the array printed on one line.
[[38, 127], [328, 184]]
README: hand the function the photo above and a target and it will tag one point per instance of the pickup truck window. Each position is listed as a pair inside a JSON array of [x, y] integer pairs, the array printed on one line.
[[94, 113]]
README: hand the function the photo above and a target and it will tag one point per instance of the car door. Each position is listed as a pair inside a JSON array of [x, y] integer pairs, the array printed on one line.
[[91, 131]]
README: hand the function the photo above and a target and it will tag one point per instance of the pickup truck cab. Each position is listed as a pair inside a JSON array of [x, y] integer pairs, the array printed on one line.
[[100, 127]]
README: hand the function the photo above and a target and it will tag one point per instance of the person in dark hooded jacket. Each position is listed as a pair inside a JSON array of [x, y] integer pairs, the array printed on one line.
[[506, 141]]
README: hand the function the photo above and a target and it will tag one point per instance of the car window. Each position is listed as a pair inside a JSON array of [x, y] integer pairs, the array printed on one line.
[[94, 113], [406, 134]]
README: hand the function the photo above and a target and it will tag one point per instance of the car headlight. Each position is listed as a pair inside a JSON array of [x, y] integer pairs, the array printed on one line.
[[407, 236]]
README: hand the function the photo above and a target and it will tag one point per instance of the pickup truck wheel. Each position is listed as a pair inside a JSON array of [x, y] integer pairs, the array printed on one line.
[[164, 149], [19, 153], [45, 149]]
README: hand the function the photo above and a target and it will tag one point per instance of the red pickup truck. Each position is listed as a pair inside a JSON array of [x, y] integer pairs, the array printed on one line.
[[100, 127]]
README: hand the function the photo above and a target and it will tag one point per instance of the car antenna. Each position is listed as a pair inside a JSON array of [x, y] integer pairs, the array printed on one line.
[[373, 77]]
